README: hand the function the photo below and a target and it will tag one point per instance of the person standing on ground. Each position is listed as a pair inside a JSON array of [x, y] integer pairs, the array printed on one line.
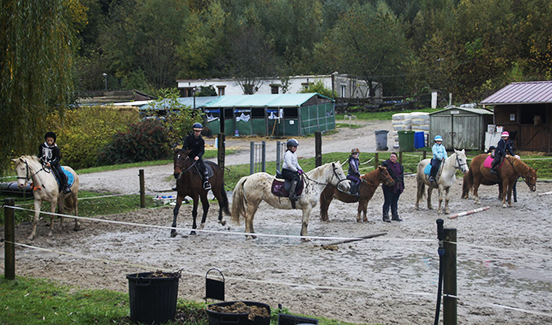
[[291, 169], [391, 194]]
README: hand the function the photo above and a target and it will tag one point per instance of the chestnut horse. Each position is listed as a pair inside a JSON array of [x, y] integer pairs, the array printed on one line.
[[45, 188], [368, 186], [507, 175], [189, 183], [253, 189]]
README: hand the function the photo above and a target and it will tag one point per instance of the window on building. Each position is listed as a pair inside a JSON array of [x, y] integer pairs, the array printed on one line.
[[343, 91], [220, 90], [274, 89]]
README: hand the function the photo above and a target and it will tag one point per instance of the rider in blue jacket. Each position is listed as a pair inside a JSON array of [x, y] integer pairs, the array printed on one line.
[[439, 155]]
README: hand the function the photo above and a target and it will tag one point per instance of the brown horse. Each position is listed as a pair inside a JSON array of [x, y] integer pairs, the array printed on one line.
[[368, 185], [507, 175], [189, 183]]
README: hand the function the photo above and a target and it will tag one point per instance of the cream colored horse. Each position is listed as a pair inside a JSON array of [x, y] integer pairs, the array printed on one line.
[[445, 179], [253, 189], [45, 188]]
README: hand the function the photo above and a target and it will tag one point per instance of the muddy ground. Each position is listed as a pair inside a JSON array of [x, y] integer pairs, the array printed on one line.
[[504, 258]]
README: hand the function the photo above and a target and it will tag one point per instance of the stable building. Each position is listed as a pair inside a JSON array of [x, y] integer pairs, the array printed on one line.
[[524, 109], [270, 115]]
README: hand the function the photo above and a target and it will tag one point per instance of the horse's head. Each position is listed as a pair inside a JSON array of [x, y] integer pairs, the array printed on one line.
[[338, 177], [531, 179], [23, 170], [461, 160], [385, 177], [537, 120]]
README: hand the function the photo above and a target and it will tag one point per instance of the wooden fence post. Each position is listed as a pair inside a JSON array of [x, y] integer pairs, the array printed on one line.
[[142, 189], [9, 236], [221, 153], [318, 148], [424, 154], [400, 157], [376, 160], [450, 316]]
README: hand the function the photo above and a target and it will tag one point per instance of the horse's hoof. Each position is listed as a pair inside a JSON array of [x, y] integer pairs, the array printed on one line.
[[201, 226], [50, 234], [173, 233], [504, 206], [193, 233], [305, 240], [223, 222], [248, 237]]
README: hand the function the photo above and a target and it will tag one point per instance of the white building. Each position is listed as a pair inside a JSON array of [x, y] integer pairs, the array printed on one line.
[[343, 85]]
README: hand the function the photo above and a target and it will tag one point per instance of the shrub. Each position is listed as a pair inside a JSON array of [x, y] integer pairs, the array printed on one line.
[[83, 131], [144, 141]]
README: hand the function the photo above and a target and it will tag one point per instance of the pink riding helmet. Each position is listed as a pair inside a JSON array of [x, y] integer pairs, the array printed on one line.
[[505, 134]]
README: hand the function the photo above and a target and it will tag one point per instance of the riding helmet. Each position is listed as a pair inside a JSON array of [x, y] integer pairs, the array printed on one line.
[[438, 138], [292, 143], [50, 134], [505, 134], [197, 126], [355, 150]]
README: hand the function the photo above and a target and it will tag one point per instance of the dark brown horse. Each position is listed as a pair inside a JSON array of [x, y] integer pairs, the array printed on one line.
[[368, 185], [507, 176], [189, 183]]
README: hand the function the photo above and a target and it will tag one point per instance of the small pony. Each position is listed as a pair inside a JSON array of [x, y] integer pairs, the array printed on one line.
[[368, 186], [46, 189]]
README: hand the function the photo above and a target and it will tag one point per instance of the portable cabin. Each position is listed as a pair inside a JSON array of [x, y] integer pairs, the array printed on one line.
[[460, 127], [273, 115], [524, 109]]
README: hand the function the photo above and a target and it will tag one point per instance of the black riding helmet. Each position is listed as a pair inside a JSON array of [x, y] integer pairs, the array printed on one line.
[[50, 134]]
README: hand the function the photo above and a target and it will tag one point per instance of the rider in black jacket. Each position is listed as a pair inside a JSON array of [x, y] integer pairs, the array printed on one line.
[[50, 156], [502, 148], [196, 144]]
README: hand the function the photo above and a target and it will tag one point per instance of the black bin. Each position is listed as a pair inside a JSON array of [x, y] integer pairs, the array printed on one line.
[[216, 318], [152, 299]]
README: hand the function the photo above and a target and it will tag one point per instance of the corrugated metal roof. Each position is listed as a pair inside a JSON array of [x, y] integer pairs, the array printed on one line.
[[188, 101], [275, 100], [479, 111], [533, 92]]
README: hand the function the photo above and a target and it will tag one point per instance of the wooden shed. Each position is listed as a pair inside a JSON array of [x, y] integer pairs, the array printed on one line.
[[460, 127], [525, 109]]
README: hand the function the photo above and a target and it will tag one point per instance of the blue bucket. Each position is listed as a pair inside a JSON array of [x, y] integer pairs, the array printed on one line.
[[419, 141]]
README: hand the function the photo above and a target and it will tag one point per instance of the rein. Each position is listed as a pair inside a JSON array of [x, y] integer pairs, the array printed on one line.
[[27, 168], [320, 183]]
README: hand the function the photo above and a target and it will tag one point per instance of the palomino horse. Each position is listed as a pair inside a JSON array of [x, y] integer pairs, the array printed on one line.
[[445, 179], [45, 188], [189, 183], [368, 186], [507, 176], [253, 189]]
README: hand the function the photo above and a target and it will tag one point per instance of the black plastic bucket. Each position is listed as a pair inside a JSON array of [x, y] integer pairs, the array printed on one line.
[[152, 299], [216, 318]]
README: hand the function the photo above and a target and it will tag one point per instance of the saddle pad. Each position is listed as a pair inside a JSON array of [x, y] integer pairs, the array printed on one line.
[[70, 178], [489, 160], [427, 169], [278, 188]]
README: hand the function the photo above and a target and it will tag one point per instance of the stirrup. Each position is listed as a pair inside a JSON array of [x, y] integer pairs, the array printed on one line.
[[207, 185]]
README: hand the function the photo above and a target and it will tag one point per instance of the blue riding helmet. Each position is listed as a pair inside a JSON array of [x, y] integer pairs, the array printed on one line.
[[292, 143], [197, 126], [438, 138]]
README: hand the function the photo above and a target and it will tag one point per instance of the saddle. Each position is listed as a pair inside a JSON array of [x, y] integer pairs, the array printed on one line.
[[199, 170], [489, 160], [280, 186], [70, 178]]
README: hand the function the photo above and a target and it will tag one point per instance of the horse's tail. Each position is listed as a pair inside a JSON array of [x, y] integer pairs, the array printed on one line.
[[467, 184], [238, 201], [224, 200]]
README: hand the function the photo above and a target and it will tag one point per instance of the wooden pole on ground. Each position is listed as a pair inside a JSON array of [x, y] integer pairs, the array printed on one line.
[[545, 193], [465, 213], [142, 189], [450, 316], [9, 236], [318, 148], [357, 239]]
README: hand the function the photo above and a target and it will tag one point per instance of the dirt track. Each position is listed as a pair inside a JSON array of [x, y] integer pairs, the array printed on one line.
[[388, 280]]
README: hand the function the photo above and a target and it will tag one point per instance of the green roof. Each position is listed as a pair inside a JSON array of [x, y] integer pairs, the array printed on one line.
[[275, 100]]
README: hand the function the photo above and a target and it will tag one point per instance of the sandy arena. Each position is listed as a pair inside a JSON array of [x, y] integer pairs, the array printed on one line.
[[386, 280]]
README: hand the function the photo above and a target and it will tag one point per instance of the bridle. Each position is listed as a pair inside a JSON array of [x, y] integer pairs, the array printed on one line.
[[458, 162], [27, 169], [182, 167], [334, 173]]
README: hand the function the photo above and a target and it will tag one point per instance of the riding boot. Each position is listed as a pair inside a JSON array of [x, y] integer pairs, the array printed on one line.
[[292, 194], [206, 184], [493, 168]]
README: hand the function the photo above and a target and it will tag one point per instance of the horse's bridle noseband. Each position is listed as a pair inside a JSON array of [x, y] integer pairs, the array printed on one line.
[[27, 168]]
